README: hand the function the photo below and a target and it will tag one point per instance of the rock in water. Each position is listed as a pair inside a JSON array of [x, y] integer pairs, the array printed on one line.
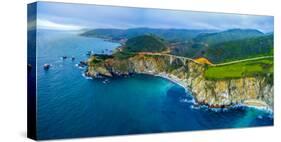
[[29, 67], [46, 66]]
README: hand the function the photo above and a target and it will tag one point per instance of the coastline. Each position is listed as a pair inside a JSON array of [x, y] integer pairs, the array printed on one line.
[[176, 80], [249, 104], [171, 78], [219, 94]]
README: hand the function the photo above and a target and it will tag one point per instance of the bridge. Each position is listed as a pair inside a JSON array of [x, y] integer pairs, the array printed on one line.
[[184, 59], [172, 57]]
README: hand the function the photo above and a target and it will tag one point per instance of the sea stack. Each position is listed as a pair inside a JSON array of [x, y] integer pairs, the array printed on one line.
[[46, 66], [72, 58]]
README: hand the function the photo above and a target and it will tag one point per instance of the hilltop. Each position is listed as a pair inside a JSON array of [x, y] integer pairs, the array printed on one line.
[[145, 43]]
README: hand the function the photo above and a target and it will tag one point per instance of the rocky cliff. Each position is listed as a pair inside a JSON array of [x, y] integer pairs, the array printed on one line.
[[252, 91]]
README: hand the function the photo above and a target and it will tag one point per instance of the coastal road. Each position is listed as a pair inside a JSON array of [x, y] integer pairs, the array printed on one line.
[[190, 59], [244, 60], [165, 54]]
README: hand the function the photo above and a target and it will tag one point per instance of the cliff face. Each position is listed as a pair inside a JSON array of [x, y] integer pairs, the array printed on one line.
[[253, 91]]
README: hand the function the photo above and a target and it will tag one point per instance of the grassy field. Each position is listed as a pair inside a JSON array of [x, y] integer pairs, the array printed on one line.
[[241, 69]]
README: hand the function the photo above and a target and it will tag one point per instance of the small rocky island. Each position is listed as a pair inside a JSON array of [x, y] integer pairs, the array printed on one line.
[[242, 82]]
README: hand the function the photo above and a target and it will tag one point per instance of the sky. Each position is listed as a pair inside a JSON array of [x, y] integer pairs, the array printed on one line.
[[65, 16]]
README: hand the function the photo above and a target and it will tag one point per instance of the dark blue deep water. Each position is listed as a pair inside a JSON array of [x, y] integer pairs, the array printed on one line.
[[70, 105]]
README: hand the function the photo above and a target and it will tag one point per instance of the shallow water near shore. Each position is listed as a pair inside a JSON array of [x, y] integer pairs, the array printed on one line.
[[70, 105]]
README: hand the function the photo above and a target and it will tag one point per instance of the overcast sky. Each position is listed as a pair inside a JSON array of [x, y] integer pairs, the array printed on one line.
[[62, 16]]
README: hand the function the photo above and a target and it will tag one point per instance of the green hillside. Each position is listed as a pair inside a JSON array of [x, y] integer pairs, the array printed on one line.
[[240, 49], [145, 43], [229, 50], [229, 35]]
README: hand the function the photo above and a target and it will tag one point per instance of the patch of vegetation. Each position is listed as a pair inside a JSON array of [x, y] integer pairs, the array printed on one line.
[[258, 67], [240, 49], [151, 56], [98, 58], [188, 49], [122, 65], [103, 56], [145, 43], [229, 49], [228, 35], [123, 55], [94, 60]]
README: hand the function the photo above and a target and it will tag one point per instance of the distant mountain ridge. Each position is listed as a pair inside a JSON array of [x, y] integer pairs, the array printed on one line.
[[228, 35], [205, 36], [167, 34]]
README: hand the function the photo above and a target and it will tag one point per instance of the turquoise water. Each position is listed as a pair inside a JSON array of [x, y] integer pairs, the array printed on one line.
[[70, 105]]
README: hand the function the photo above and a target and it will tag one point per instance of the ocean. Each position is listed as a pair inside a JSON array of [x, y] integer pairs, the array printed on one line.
[[71, 105]]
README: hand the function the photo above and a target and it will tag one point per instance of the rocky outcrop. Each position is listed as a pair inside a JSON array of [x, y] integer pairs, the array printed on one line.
[[253, 91]]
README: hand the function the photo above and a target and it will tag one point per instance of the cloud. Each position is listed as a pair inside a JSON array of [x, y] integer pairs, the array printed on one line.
[[73, 16], [46, 24]]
